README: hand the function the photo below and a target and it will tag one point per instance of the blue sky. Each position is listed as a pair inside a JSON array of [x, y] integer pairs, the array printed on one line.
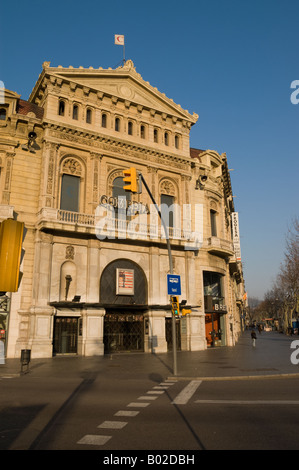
[[231, 62]]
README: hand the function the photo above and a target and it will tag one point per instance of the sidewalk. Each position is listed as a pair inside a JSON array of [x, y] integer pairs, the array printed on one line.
[[270, 357]]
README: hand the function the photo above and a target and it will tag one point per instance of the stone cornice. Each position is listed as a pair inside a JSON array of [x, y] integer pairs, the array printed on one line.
[[81, 139]]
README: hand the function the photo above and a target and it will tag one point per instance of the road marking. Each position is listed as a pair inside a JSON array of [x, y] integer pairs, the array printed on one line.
[[247, 402], [113, 424], [94, 440], [159, 387], [140, 404], [147, 397], [126, 413], [184, 396], [156, 392]]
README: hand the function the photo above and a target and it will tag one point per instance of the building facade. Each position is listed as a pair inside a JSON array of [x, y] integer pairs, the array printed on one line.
[[96, 259]]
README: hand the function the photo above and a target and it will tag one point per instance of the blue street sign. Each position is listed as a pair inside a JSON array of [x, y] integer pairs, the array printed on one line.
[[173, 284]]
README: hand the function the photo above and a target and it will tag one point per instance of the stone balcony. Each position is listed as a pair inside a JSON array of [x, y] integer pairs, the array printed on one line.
[[219, 247]]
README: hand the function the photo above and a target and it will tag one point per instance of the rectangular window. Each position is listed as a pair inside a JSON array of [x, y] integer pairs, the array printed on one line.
[[69, 200], [213, 218], [167, 210]]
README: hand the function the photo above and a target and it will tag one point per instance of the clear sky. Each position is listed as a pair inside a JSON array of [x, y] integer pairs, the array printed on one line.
[[230, 61]]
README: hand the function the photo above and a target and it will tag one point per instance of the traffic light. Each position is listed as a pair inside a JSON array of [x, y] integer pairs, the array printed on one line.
[[11, 239], [186, 311], [175, 306], [131, 180]]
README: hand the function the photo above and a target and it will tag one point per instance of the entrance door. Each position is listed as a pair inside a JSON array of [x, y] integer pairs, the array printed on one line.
[[212, 328], [65, 335], [168, 333], [123, 332]]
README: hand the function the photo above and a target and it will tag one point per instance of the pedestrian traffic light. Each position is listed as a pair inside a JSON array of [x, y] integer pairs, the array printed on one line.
[[11, 239], [175, 306], [131, 180]]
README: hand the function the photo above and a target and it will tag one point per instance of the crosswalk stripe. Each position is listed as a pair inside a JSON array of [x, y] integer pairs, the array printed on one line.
[[126, 413], [90, 439], [113, 424], [184, 396]]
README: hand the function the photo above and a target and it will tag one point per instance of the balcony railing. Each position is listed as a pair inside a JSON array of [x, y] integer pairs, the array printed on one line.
[[128, 228]]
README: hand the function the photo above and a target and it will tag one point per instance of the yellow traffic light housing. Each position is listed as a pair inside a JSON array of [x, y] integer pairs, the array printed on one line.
[[175, 305], [11, 239], [186, 311], [130, 177]]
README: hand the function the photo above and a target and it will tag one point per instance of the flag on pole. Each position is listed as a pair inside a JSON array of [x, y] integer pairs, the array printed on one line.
[[119, 39]]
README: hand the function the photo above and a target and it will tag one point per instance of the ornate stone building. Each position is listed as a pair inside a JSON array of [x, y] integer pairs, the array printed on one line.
[[87, 287]]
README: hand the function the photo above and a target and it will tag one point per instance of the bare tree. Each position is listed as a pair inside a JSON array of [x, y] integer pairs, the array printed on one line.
[[288, 277]]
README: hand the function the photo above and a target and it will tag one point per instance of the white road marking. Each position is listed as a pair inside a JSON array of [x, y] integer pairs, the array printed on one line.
[[94, 440], [247, 402], [153, 397], [113, 424], [140, 404], [184, 396], [159, 387], [156, 392], [126, 413]]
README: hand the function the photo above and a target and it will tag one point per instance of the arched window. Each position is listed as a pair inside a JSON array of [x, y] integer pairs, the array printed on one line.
[[177, 142], [156, 136], [88, 116], [117, 124], [75, 111], [142, 131], [130, 128], [104, 120], [61, 108]]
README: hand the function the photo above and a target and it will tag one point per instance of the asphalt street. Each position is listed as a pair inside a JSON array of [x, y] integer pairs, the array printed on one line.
[[227, 398]]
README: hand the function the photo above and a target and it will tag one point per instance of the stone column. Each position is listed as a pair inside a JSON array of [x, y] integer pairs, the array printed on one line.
[[93, 332], [196, 330], [155, 340]]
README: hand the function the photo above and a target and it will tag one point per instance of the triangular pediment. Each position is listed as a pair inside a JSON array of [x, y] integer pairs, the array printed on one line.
[[125, 84]]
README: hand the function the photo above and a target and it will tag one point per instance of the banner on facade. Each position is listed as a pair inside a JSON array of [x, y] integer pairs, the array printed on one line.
[[124, 281], [236, 235]]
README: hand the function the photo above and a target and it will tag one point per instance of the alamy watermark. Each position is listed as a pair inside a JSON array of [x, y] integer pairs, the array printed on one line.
[[2, 88], [121, 219], [295, 354], [295, 94]]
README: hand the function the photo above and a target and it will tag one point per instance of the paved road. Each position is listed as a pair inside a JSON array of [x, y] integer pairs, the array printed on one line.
[[226, 398]]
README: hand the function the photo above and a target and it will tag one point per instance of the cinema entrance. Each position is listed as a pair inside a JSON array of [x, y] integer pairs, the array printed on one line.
[[123, 294]]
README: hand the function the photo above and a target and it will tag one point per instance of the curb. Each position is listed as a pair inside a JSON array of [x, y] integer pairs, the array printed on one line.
[[240, 377]]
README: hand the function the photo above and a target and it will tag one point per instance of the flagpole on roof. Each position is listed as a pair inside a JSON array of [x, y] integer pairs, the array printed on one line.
[[119, 39]]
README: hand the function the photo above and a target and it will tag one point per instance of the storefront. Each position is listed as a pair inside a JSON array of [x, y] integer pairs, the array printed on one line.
[[215, 309]]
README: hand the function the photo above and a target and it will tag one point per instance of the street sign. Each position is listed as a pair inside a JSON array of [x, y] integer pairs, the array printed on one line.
[[173, 284]]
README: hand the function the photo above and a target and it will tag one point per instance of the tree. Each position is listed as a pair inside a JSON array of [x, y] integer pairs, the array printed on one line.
[[288, 277]]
